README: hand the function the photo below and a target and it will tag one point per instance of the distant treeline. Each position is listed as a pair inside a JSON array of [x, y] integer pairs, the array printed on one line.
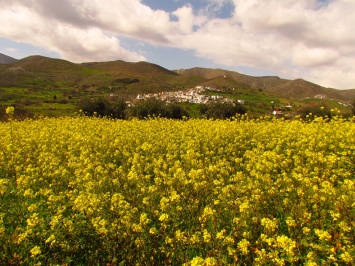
[[117, 108]]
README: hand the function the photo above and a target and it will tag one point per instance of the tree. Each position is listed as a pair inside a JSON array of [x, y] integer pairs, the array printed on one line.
[[114, 108], [153, 107], [176, 111], [313, 110], [117, 108], [353, 106], [221, 110]]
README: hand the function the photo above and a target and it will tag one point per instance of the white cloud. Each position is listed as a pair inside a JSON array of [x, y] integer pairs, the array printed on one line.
[[11, 50], [72, 42], [90, 45], [227, 43], [186, 19], [338, 75], [128, 17], [288, 37], [313, 57]]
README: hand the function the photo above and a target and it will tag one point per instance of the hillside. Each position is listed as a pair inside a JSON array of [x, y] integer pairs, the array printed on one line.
[[4, 59], [42, 72], [56, 86], [128, 68], [39, 71], [297, 89], [253, 82], [143, 77], [300, 88], [348, 94]]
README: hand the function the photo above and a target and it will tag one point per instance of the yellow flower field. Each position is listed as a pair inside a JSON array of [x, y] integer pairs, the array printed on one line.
[[92, 191]]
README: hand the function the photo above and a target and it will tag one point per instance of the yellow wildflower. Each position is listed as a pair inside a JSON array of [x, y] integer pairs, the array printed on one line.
[[243, 246], [163, 217], [35, 251], [10, 110]]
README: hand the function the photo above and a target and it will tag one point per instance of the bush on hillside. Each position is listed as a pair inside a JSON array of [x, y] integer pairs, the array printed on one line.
[[353, 107], [114, 108], [153, 107], [310, 111], [221, 110]]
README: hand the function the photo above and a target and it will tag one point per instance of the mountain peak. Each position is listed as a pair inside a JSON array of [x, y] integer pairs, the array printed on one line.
[[4, 59]]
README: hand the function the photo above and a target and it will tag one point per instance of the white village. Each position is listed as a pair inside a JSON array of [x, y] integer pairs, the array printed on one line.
[[192, 95]]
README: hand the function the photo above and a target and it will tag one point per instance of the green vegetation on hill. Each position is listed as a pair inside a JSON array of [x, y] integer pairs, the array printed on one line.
[[55, 87]]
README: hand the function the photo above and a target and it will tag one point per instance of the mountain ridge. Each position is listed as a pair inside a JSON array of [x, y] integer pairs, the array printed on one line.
[[5, 59], [133, 67], [297, 88], [152, 77]]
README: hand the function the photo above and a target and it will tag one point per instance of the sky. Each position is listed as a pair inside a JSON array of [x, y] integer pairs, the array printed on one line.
[[309, 39]]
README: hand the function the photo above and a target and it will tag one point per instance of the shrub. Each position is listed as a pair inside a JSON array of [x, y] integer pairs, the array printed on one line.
[[221, 110], [310, 111], [153, 107], [114, 108], [176, 111]]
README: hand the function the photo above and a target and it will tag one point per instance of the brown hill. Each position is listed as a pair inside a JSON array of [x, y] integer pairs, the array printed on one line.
[[128, 68], [42, 72], [297, 88], [253, 82], [4, 59], [131, 78], [348, 94], [144, 77], [210, 73], [300, 88], [224, 83], [44, 64]]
